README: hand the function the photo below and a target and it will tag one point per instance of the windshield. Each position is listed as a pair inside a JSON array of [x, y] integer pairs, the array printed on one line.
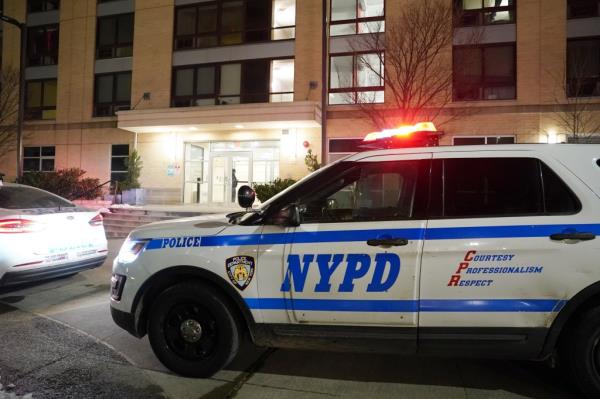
[[310, 176], [24, 197], [305, 180]]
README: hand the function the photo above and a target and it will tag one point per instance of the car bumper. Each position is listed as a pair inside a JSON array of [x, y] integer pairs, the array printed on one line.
[[43, 273], [124, 320]]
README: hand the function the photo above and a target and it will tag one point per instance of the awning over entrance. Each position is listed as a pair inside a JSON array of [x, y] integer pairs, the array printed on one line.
[[305, 114]]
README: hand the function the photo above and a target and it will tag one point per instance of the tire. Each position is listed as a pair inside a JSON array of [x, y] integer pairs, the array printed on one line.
[[580, 351], [192, 330]]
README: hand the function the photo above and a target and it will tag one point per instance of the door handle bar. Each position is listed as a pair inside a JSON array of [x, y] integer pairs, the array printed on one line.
[[572, 236], [389, 242]]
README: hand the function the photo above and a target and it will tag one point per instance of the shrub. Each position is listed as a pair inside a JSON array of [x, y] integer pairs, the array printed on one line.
[[134, 169], [311, 161], [68, 183], [265, 191]]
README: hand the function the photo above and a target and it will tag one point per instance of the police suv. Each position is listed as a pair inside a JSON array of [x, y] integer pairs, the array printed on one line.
[[465, 251]]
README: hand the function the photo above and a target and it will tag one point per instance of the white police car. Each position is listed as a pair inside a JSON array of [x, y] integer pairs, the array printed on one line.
[[465, 251]]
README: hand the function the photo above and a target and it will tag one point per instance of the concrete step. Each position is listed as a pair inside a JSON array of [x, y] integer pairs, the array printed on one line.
[[153, 213], [134, 218], [112, 234], [119, 222], [118, 225]]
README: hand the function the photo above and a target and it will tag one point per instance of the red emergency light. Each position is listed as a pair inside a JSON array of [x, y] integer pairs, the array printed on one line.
[[422, 134]]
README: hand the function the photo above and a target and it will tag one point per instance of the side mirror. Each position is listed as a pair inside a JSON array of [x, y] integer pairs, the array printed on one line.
[[288, 216], [246, 197]]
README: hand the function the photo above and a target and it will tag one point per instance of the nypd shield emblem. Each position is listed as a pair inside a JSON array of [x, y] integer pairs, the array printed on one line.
[[240, 270]]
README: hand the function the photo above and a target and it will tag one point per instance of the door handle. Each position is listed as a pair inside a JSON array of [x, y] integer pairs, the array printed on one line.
[[388, 242], [572, 236]]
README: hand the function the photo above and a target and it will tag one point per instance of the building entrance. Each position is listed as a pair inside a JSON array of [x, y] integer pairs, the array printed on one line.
[[215, 171]]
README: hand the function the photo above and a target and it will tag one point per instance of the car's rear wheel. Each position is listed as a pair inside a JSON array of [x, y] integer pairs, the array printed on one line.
[[580, 351], [193, 330]]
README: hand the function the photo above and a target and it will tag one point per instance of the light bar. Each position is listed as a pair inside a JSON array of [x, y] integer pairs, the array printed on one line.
[[402, 131]]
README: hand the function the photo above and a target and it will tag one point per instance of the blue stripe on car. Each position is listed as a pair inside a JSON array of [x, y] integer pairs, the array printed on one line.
[[408, 306], [440, 233]]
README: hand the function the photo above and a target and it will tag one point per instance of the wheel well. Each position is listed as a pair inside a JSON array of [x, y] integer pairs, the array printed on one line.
[[585, 300], [168, 277]]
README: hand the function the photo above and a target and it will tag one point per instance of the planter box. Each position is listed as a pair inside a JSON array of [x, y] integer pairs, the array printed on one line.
[[135, 196]]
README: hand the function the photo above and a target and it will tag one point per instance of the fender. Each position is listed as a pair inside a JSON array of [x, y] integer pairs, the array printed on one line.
[[584, 299], [166, 277]]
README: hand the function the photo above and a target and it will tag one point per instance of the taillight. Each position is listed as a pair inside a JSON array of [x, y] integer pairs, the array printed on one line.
[[96, 220], [19, 226]]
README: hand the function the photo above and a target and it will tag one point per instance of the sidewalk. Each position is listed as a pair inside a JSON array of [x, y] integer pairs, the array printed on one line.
[[43, 358]]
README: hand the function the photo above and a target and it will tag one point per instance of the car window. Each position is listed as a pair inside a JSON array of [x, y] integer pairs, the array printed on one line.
[[21, 197], [488, 187], [494, 187], [558, 197], [370, 192]]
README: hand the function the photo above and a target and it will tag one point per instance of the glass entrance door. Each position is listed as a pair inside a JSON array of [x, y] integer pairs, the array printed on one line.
[[214, 171], [229, 171], [196, 173]]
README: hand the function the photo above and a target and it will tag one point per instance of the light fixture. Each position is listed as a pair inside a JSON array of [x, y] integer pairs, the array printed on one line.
[[239, 126]]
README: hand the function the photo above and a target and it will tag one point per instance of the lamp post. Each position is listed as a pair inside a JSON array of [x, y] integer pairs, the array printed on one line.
[[20, 112]]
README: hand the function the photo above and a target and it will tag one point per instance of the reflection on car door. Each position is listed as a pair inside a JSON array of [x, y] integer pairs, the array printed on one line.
[[490, 257], [354, 259]]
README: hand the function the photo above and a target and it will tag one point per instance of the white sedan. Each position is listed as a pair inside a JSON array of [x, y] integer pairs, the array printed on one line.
[[44, 236]]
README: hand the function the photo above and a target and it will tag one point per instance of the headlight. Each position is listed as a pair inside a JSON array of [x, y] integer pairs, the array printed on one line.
[[131, 249]]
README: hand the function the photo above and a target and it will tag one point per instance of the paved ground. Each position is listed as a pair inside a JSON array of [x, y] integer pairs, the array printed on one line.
[[57, 340]]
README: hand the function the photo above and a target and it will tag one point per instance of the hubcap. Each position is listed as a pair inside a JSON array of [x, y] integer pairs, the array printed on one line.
[[191, 330]]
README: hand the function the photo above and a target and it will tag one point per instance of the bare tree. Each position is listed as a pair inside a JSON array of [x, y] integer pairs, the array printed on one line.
[[413, 63], [578, 115], [9, 102]]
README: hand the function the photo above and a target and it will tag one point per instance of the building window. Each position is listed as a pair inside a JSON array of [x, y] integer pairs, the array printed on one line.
[[119, 156], [40, 99], [282, 81], [252, 81], [350, 17], [115, 36], [42, 5], [227, 22], [42, 45], [38, 159], [481, 140], [485, 12], [485, 72], [340, 148], [112, 93], [356, 78], [583, 9], [583, 67]]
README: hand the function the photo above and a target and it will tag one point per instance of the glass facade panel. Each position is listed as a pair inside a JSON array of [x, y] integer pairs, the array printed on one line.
[[206, 80], [231, 79], [341, 70], [484, 72], [104, 88], [343, 10], [184, 82], [350, 17], [186, 21]]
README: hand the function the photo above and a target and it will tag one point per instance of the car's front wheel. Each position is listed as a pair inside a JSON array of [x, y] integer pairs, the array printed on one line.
[[580, 351], [192, 330]]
